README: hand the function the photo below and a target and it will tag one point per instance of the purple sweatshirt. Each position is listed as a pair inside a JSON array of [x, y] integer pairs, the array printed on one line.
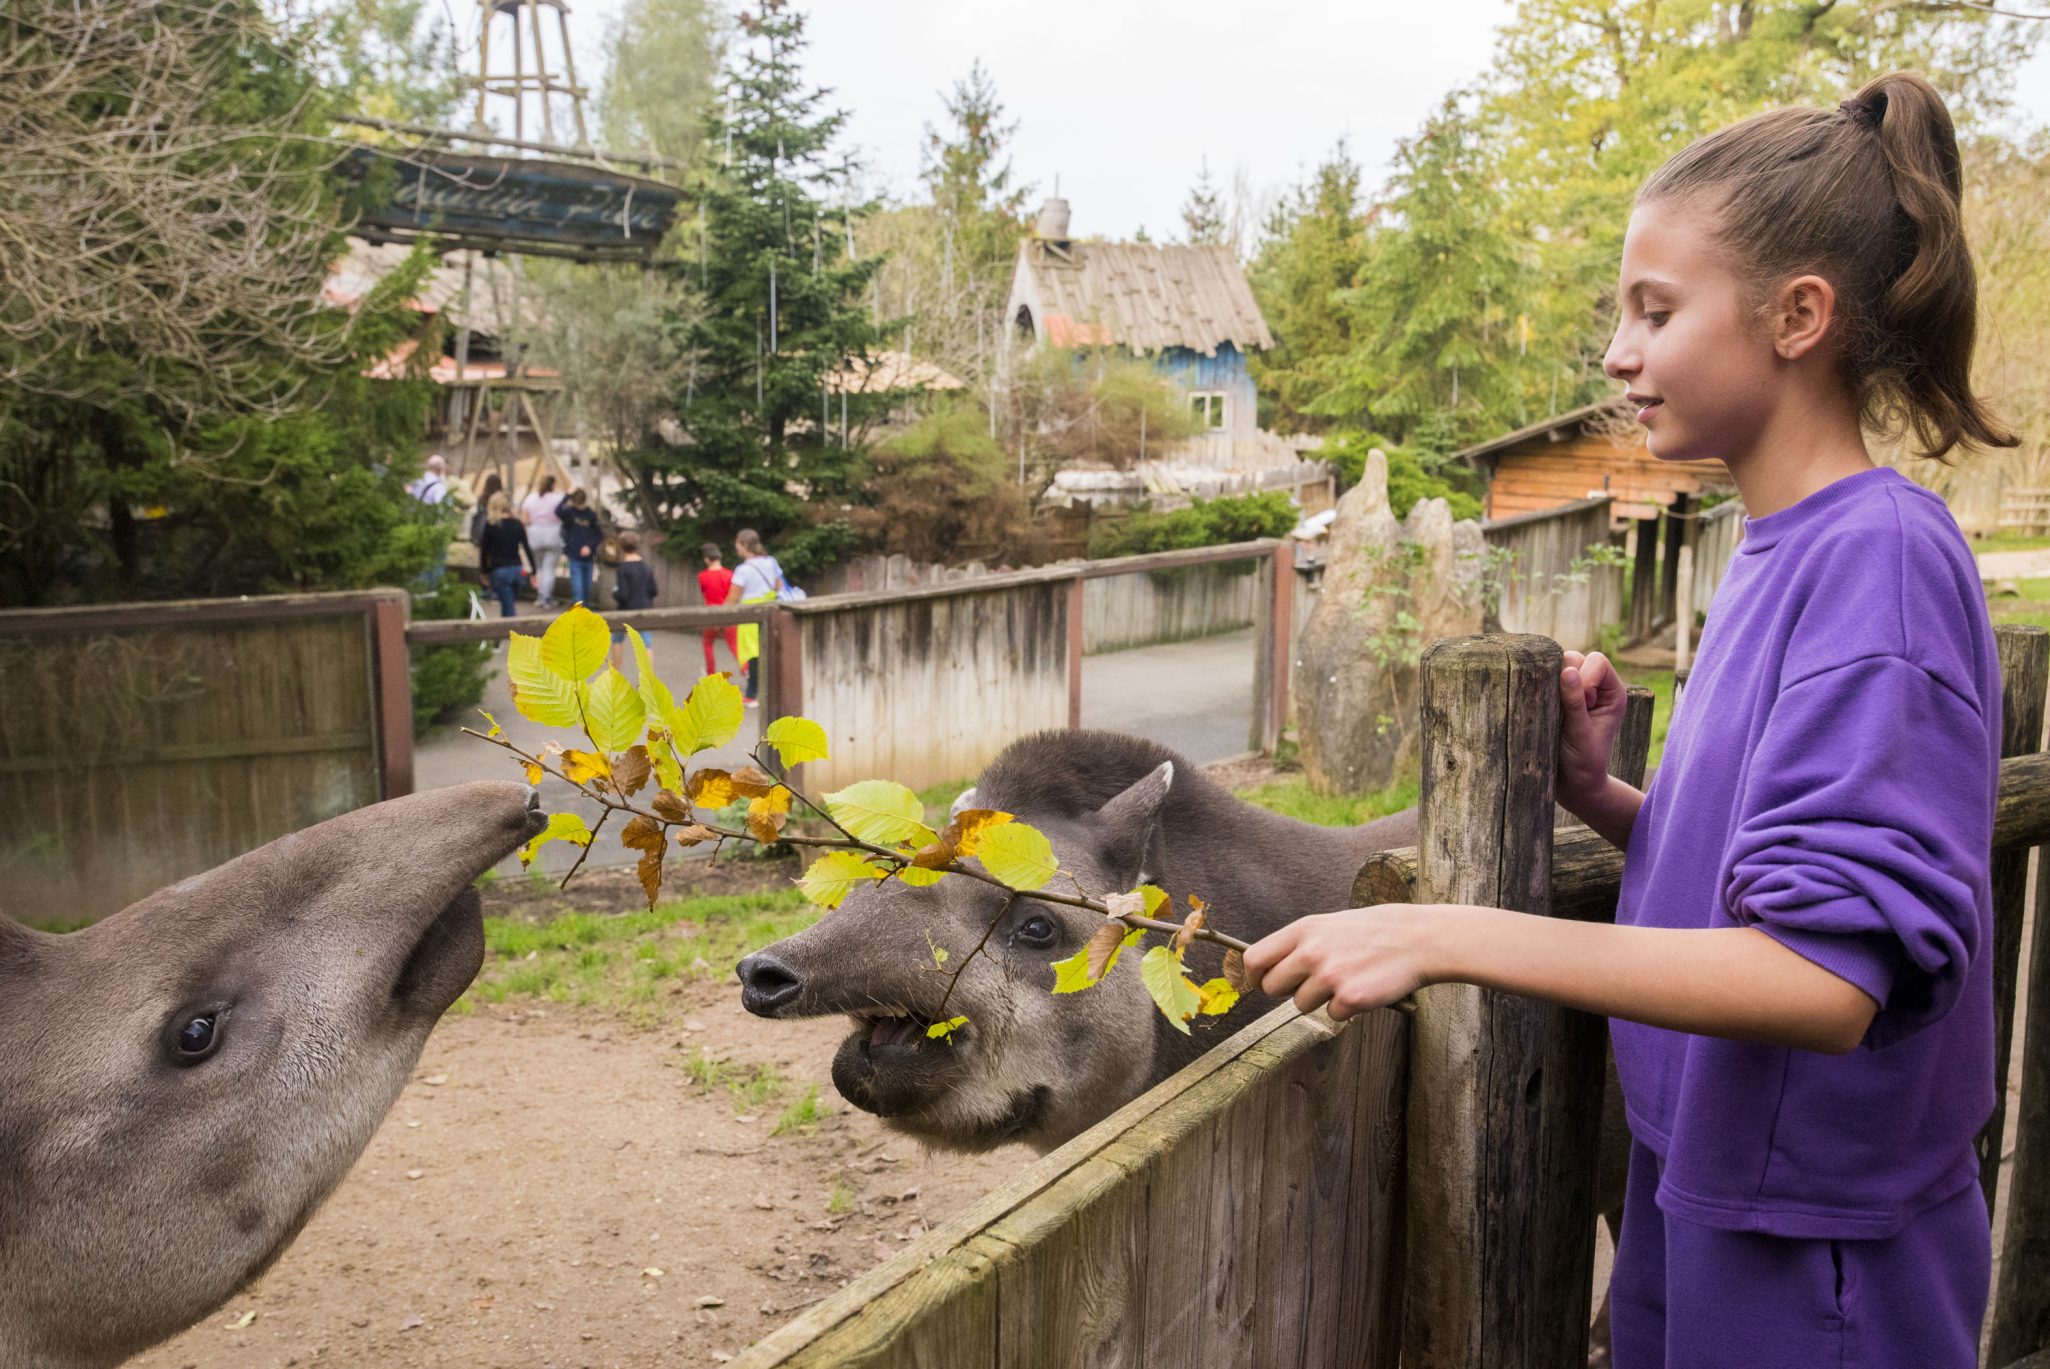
[[1829, 779]]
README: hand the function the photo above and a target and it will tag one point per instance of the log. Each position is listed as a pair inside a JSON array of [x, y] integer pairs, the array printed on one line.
[[2024, 675], [1505, 1091]]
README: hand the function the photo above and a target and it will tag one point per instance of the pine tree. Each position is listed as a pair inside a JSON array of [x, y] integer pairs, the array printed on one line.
[[782, 308], [1314, 247], [978, 216], [1203, 218]]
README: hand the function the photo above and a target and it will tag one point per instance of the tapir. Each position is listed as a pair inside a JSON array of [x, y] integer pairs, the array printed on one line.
[[183, 1083]]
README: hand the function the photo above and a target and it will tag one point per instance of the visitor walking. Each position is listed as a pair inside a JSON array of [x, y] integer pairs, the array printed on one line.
[[758, 579], [580, 538], [715, 583], [633, 588], [541, 511], [481, 515], [505, 542], [432, 486]]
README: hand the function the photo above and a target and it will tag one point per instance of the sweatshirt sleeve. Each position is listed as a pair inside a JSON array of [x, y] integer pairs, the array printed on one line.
[[1863, 835]]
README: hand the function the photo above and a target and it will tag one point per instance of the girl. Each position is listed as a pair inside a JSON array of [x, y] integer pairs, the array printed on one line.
[[541, 512], [504, 543], [1802, 1005], [758, 579]]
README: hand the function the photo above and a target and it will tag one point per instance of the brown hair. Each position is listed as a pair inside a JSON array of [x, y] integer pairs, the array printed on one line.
[[749, 541], [710, 552], [547, 484], [492, 485], [579, 498], [1865, 195], [629, 543]]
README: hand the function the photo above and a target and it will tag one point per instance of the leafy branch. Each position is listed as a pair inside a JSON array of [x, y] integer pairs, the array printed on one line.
[[641, 739]]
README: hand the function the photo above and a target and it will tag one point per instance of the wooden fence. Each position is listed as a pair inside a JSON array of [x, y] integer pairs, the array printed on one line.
[[1559, 578], [1120, 612], [143, 742], [1393, 1190]]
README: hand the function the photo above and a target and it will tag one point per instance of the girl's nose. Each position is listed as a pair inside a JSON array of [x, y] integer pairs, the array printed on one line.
[[1620, 361]]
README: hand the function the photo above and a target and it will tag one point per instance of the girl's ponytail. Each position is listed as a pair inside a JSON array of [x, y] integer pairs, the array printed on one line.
[[1868, 196], [1928, 318]]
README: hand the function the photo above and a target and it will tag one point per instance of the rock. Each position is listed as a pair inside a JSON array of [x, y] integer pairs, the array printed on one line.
[[1390, 589]]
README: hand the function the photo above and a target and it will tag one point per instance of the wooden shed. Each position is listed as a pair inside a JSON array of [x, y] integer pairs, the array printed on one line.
[[1583, 454]]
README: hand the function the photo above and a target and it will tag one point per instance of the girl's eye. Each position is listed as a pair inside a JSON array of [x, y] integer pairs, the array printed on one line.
[[1657, 317], [1037, 930]]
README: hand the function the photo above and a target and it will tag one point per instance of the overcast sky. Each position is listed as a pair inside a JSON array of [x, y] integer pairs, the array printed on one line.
[[1123, 99]]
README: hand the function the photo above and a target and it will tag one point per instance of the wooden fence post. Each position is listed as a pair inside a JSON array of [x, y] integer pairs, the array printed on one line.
[[783, 662], [1275, 649], [1505, 1092], [1644, 572], [2021, 1306], [391, 667], [2024, 676], [1669, 579], [1076, 606]]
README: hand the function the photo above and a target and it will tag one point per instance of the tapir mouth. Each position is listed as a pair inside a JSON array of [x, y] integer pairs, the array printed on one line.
[[890, 1063]]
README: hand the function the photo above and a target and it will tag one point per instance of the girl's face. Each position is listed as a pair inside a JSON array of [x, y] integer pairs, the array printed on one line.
[[1697, 364]]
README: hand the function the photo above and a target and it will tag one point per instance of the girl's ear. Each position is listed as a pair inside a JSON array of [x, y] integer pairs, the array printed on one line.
[[1802, 314]]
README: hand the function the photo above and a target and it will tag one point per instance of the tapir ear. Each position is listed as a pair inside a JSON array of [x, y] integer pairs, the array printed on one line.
[[1130, 821], [962, 802]]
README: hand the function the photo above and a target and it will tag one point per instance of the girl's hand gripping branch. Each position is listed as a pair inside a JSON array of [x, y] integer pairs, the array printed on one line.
[[1592, 700]]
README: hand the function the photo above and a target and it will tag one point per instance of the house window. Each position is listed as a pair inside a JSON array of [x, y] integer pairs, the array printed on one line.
[[1208, 408]]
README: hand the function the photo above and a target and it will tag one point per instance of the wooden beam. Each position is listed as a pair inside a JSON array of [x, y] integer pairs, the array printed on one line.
[[2024, 678], [1505, 1091], [646, 619], [1281, 651], [1644, 574], [1076, 604], [391, 668], [259, 608]]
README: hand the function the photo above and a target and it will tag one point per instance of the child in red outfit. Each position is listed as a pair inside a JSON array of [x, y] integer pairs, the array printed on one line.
[[714, 581]]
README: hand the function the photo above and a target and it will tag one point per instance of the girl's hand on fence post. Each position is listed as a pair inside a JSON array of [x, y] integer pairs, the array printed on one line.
[[1592, 699], [1354, 961]]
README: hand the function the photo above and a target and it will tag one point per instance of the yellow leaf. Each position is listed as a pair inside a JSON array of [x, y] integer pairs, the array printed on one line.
[[496, 730], [964, 833], [244, 1321], [942, 1030], [578, 766], [1177, 998], [830, 878], [767, 814], [561, 827], [534, 771], [613, 712], [939, 952], [918, 878], [1218, 996], [796, 740], [668, 773], [879, 811], [1072, 975], [670, 808], [710, 788], [1018, 854], [538, 692], [630, 770], [709, 717], [576, 645], [1156, 900]]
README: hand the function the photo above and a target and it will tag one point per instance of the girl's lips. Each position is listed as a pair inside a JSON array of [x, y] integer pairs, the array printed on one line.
[[1644, 413]]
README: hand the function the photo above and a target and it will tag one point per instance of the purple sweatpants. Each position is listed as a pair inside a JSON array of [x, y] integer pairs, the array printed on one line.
[[1685, 1296]]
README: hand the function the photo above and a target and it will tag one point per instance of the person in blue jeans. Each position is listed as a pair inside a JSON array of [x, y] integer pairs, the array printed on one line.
[[580, 538], [500, 553]]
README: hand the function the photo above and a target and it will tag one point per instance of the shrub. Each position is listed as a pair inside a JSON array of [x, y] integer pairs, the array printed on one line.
[[448, 681], [1205, 523], [1413, 474]]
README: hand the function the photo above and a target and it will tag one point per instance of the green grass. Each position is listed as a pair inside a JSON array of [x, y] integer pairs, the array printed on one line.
[[940, 797], [804, 1115], [623, 963], [1293, 798], [2031, 606], [2011, 541], [751, 1086], [841, 1202]]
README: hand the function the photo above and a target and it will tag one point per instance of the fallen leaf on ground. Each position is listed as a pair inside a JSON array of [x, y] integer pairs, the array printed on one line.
[[710, 1300], [242, 1321]]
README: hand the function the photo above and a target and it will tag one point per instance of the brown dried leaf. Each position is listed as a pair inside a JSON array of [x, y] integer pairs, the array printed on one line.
[[1126, 905], [1190, 924], [643, 834], [934, 855], [650, 871], [1103, 946], [710, 788], [1235, 971], [670, 808], [694, 834], [752, 782], [630, 770]]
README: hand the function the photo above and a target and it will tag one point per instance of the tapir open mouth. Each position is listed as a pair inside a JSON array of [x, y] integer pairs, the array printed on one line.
[[894, 1034]]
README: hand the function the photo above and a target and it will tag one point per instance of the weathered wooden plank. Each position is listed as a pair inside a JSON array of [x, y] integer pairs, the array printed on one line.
[[1370, 1266], [2024, 677], [1504, 1091], [645, 619], [2021, 1305]]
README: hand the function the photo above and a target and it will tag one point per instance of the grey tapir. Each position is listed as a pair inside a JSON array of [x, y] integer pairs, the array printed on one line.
[[1029, 1066], [183, 1083]]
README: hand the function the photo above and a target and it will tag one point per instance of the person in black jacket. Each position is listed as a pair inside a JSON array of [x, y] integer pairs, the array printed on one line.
[[505, 542], [580, 538], [635, 588]]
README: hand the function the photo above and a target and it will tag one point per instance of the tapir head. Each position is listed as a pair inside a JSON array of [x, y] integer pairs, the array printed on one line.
[[1029, 1066], [183, 1083]]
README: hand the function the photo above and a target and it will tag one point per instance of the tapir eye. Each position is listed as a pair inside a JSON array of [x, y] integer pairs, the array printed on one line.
[[195, 1036], [1038, 930]]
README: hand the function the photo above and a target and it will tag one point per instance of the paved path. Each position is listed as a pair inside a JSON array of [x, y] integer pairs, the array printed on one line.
[[2014, 565], [1196, 697]]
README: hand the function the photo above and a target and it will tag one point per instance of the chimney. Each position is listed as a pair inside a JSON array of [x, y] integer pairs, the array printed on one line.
[[1053, 221]]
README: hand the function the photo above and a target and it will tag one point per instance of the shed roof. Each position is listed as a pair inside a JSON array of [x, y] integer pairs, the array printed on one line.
[[1544, 427], [1143, 296]]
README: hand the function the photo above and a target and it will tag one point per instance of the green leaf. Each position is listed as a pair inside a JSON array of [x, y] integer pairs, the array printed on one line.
[[561, 827], [614, 712], [709, 717], [796, 740], [655, 695], [1072, 975], [1018, 854], [918, 878], [1179, 1000], [880, 811], [539, 692], [942, 1030], [576, 645], [834, 875]]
